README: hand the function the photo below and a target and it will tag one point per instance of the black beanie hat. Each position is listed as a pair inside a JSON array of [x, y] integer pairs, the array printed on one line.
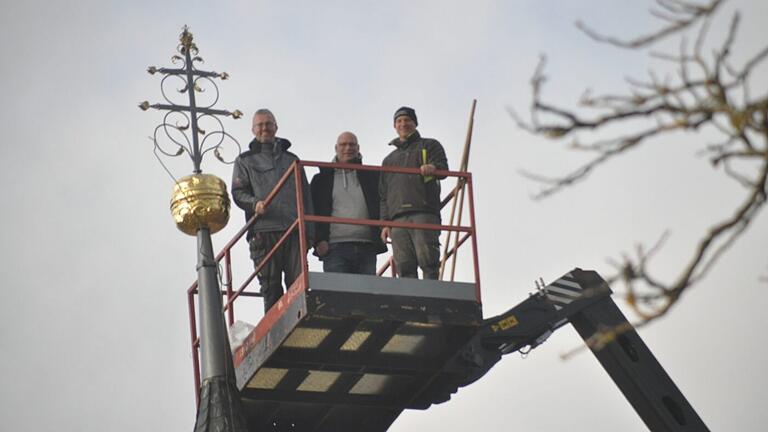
[[408, 112]]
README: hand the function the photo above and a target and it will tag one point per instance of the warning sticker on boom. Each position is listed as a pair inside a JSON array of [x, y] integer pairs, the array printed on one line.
[[505, 324]]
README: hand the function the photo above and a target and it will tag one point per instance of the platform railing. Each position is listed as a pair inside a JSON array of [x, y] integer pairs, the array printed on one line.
[[225, 256]]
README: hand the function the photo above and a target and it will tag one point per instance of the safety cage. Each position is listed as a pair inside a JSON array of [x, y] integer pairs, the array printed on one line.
[[346, 351]]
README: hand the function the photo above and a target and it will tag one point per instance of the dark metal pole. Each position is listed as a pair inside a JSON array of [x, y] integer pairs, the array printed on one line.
[[215, 351], [194, 344], [220, 407], [200, 206]]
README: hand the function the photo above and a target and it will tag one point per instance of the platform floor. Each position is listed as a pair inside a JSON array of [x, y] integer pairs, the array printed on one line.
[[351, 352]]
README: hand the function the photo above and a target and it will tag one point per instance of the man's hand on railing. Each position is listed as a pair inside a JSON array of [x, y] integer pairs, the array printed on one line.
[[321, 248], [385, 234], [260, 208], [427, 170]]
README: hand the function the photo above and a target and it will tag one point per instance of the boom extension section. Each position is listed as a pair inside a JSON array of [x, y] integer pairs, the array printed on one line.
[[583, 299]]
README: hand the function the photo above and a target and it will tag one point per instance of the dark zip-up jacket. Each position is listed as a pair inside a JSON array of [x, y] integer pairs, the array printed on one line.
[[254, 176], [322, 199], [411, 193]]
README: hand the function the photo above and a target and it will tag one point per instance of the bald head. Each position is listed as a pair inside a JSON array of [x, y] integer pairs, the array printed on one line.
[[347, 148]]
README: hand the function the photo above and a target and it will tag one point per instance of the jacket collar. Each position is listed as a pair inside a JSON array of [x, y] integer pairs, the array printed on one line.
[[357, 161], [280, 144]]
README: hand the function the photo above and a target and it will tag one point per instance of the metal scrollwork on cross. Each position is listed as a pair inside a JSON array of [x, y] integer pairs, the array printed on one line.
[[180, 130]]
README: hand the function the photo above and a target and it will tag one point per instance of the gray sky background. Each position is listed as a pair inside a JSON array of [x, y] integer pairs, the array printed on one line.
[[93, 319]]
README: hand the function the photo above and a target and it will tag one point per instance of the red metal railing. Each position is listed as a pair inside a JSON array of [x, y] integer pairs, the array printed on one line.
[[300, 224]]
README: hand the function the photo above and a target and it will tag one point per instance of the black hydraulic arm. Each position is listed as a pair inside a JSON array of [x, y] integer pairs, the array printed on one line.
[[583, 299]]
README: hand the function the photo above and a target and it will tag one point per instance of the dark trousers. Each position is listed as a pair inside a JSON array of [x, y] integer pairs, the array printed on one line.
[[286, 261], [350, 257], [412, 247]]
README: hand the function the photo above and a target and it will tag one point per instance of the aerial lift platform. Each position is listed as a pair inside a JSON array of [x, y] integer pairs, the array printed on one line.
[[353, 351], [343, 352]]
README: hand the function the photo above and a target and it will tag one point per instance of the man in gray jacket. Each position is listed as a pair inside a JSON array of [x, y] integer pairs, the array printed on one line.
[[255, 174], [413, 198]]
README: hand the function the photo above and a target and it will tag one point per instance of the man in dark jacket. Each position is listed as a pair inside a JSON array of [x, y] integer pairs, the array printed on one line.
[[345, 248], [255, 174], [413, 198]]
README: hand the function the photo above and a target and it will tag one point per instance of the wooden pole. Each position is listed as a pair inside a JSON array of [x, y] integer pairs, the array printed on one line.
[[458, 189], [456, 236]]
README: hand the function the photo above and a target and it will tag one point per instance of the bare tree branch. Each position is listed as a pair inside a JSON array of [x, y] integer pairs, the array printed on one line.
[[708, 91], [682, 15]]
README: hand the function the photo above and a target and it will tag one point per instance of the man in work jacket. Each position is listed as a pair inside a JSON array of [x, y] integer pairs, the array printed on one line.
[[255, 174], [413, 198], [353, 194]]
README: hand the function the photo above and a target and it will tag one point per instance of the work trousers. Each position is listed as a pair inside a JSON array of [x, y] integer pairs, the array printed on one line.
[[350, 257], [286, 261], [413, 249]]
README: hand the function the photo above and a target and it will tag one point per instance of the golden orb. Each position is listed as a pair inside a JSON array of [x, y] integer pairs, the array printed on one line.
[[200, 201]]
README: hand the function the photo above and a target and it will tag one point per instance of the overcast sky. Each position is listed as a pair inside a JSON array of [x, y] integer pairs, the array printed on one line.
[[93, 320]]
